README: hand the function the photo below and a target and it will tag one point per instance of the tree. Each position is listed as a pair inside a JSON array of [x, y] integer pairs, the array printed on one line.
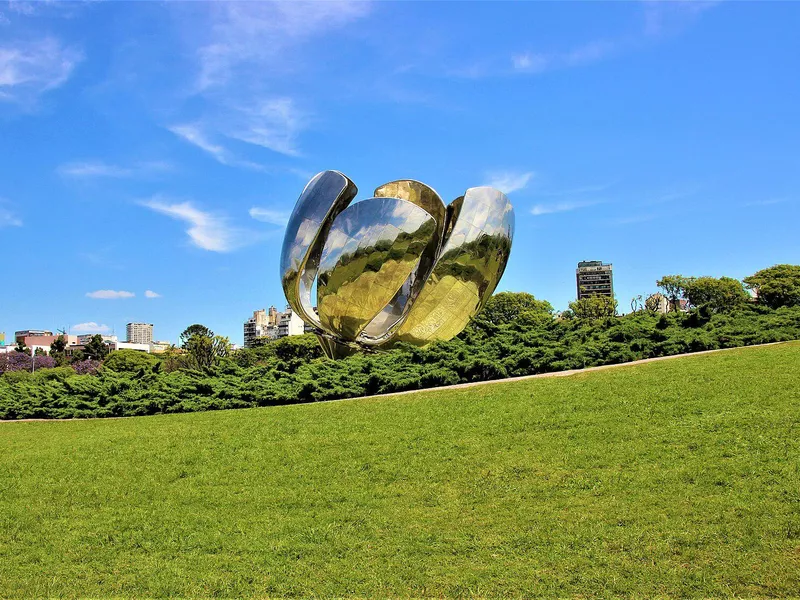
[[221, 346], [656, 303], [129, 361], [193, 330], [674, 287], [58, 350], [201, 351], [59, 345], [21, 347], [96, 348], [261, 341], [205, 351], [776, 286], [505, 307], [304, 347], [594, 307], [717, 295], [172, 359]]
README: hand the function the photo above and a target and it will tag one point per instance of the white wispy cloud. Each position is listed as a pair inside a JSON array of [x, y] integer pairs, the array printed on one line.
[[30, 69], [198, 135], [589, 53], [767, 202], [206, 230], [509, 181], [662, 17], [9, 219], [533, 63], [43, 7], [546, 209], [273, 124], [247, 37], [194, 134], [90, 327], [241, 48], [110, 295], [93, 169], [268, 215], [99, 169], [530, 63], [151, 294], [21, 8]]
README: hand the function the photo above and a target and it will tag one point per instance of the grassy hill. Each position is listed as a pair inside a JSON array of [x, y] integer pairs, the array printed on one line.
[[677, 478]]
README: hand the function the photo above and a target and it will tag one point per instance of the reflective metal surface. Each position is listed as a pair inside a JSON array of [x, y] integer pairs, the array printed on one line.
[[400, 267], [371, 250], [381, 327], [467, 271], [324, 197]]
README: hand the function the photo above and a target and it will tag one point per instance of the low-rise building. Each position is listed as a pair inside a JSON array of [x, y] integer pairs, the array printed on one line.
[[131, 346], [20, 335], [160, 347], [43, 342], [85, 338]]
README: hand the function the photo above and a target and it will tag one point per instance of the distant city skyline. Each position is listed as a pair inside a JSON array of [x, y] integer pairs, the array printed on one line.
[[152, 152]]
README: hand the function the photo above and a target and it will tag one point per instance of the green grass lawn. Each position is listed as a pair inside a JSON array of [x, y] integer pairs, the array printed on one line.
[[678, 478]]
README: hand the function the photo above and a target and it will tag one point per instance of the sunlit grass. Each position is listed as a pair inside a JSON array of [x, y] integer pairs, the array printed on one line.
[[678, 478]]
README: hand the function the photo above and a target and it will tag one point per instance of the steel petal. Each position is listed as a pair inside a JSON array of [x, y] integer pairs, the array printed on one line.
[[373, 247], [325, 196]]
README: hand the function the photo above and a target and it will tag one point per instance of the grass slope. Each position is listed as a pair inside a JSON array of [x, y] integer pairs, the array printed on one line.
[[677, 478]]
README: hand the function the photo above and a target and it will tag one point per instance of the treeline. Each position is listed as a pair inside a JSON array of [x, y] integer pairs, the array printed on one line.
[[516, 334]]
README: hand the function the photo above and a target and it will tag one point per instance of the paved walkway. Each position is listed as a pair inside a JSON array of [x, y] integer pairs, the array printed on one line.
[[459, 386]]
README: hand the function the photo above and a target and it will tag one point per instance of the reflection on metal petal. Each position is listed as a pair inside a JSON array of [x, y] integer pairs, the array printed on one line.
[[372, 248], [400, 267], [468, 270], [324, 197], [381, 327]]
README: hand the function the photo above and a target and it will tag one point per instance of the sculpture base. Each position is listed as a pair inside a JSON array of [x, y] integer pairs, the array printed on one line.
[[334, 349]]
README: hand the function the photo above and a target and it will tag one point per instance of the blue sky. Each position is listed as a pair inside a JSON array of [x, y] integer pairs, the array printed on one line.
[[150, 152]]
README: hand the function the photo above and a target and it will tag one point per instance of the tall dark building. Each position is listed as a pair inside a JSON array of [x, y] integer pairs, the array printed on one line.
[[594, 278]]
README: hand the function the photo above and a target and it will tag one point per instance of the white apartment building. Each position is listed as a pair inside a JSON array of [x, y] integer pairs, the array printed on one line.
[[272, 325], [289, 323], [140, 333], [263, 324]]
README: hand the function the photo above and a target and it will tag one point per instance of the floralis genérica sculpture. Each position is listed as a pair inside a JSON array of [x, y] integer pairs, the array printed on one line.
[[398, 267]]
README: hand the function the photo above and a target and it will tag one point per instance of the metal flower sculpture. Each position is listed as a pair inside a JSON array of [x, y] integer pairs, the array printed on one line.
[[398, 267]]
